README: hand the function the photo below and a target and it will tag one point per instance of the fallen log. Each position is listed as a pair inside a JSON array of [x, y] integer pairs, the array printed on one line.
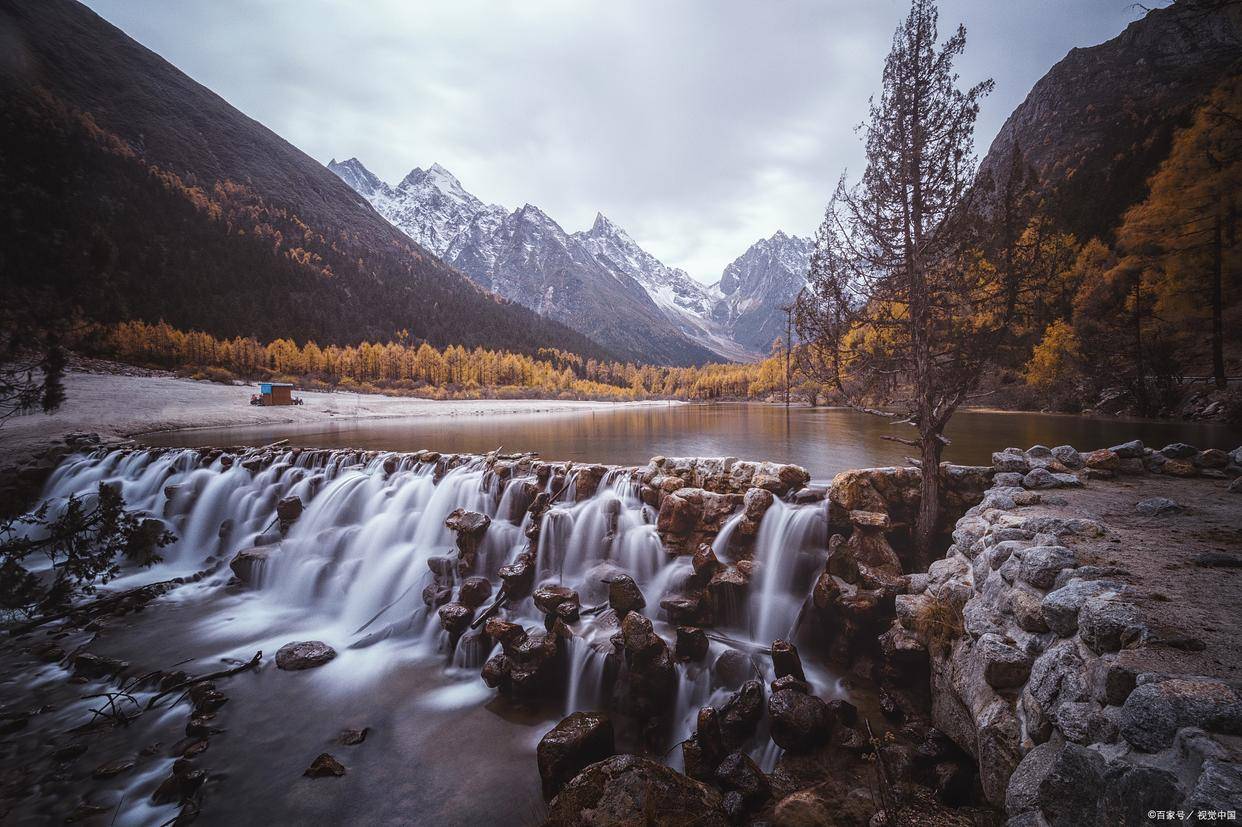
[[224, 673]]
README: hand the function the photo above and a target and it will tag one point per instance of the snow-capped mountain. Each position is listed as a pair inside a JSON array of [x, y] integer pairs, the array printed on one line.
[[755, 289], [598, 281], [686, 302], [527, 257]]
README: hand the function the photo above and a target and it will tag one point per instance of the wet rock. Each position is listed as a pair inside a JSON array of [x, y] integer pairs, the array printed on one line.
[[624, 596], [1062, 783], [561, 601], [1156, 710], [92, 666], [325, 766], [705, 563], [703, 752], [475, 591], [182, 782], [732, 668], [1157, 507], [628, 790], [684, 609], [756, 503], [518, 577], [352, 737], [469, 526], [111, 769], [740, 715], [799, 722], [785, 660], [738, 773], [455, 617], [305, 654], [288, 510], [568, 748], [692, 643], [248, 563], [435, 596]]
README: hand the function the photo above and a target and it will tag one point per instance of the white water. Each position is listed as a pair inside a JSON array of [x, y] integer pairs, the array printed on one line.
[[351, 570]]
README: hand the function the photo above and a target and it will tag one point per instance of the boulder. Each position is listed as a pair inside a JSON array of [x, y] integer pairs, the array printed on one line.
[[561, 601], [626, 790], [1133, 449], [1156, 507], [288, 510], [325, 766], [1102, 460], [1041, 564], [248, 564], [475, 591], [455, 617], [1179, 450], [571, 746], [740, 715], [1062, 783], [1179, 468], [692, 643], [738, 773], [1011, 460], [1005, 666], [1156, 710], [1060, 608], [799, 722], [624, 596], [1107, 623], [306, 654], [1068, 456]]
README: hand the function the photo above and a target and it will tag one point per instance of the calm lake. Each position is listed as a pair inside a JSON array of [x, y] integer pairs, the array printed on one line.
[[824, 440]]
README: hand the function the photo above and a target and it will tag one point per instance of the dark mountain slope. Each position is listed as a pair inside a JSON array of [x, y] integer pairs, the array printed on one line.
[[1097, 125], [136, 192]]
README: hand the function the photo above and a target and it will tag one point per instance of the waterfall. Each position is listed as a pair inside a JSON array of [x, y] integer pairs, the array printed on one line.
[[352, 568], [790, 549]]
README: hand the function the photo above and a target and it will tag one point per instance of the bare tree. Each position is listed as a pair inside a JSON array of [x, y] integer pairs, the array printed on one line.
[[901, 313]]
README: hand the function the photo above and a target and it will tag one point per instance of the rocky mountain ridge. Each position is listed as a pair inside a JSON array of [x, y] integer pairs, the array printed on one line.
[[735, 319]]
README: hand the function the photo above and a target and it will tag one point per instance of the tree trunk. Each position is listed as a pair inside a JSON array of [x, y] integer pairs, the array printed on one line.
[[925, 531], [1218, 327]]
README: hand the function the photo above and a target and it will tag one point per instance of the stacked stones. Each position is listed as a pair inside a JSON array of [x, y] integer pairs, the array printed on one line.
[[1063, 731]]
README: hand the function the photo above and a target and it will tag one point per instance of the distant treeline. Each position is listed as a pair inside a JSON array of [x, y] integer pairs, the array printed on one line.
[[420, 369]]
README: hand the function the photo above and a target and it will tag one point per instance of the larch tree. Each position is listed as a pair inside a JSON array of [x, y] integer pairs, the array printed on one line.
[[902, 312], [1185, 232]]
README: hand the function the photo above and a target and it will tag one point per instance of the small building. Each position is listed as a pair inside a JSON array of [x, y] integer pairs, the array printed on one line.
[[275, 393]]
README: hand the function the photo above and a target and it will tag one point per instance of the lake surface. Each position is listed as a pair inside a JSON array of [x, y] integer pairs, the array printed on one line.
[[824, 440]]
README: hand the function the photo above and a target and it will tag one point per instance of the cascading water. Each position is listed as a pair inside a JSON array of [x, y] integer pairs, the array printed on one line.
[[353, 567]]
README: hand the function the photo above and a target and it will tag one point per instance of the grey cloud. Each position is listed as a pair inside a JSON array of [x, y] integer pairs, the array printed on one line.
[[699, 125]]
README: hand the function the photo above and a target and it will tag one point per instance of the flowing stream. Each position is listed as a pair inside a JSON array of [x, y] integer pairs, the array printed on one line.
[[352, 568]]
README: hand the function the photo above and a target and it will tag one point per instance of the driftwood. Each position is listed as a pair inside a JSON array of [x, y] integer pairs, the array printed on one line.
[[224, 673], [738, 644], [378, 614], [497, 605], [97, 605]]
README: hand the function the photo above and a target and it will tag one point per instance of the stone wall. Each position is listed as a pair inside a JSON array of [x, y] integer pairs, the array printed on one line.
[[1032, 682]]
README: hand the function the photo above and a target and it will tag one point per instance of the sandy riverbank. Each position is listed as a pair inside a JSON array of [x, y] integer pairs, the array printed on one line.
[[123, 406]]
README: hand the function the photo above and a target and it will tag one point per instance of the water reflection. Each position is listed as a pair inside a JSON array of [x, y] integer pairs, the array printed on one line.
[[825, 440]]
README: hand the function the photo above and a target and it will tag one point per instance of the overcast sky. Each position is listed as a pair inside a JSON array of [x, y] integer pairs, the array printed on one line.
[[700, 126]]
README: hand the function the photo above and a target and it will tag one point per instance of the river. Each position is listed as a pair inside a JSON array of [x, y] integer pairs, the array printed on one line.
[[823, 440]]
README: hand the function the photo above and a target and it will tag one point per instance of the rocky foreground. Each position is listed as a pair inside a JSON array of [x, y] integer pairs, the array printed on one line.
[[1068, 659], [1075, 641]]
